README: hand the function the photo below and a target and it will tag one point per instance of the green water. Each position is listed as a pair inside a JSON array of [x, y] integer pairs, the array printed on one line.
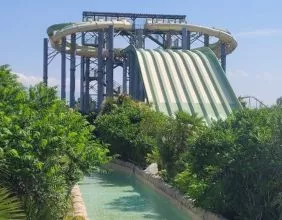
[[117, 196]]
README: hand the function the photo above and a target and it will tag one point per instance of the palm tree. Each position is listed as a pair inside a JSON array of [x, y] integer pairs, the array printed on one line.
[[10, 206]]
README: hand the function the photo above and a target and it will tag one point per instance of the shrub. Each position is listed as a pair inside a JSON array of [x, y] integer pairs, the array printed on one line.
[[129, 127], [45, 147], [173, 141], [235, 166]]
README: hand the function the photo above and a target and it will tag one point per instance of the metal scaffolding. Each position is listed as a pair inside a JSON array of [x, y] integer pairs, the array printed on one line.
[[97, 74]]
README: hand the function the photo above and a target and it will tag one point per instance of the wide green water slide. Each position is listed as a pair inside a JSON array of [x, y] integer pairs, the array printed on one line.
[[183, 80]]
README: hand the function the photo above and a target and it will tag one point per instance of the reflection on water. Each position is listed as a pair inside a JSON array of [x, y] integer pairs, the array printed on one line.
[[117, 196]]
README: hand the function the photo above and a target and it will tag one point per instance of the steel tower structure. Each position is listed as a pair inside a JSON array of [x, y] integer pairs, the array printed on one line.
[[97, 73]]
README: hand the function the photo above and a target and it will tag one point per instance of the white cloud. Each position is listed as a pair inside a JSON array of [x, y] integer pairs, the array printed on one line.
[[268, 32], [27, 80], [31, 80]]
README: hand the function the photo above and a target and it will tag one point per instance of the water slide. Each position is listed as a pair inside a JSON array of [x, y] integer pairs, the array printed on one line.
[[57, 31], [183, 80], [174, 80]]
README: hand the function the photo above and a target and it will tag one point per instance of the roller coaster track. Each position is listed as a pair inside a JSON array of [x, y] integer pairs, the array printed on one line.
[[252, 102]]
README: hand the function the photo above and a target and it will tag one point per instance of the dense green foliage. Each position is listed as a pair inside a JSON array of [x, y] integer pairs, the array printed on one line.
[[129, 127], [233, 167], [173, 142], [45, 147]]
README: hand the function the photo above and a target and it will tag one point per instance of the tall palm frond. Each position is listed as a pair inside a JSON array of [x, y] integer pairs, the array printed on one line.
[[10, 206]]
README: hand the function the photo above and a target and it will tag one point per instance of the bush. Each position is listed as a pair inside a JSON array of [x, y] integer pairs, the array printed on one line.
[[45, 147], [235, 166], [173, 142], [129, 128]]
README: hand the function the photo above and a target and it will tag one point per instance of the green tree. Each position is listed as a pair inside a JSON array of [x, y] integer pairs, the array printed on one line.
[[129, 127], [46, 147], [173, 141], [235, 166]]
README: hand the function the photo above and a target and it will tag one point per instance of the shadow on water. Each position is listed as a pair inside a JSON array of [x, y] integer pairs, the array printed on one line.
[[134, 203], [111, 179], [129, 203]]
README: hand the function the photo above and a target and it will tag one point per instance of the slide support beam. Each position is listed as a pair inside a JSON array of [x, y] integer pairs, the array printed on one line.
[[63, 69], [206, 40], [45, 61], [87, 96], [101, 77], [186, 37], [82, 72], [223, 56], [124, 76], [72, 71], [139, 39], [131, 73], [110, 62], [188, 40], [168, 41]]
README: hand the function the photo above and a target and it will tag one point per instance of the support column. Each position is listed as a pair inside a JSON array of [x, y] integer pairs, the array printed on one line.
[[87, 96], [206, 40], [131, 75], [124, 77], [141, 91], [188, 40], [82, 71], [101, 77], [184, 39], [139, 39], [132, 38], [45, 61], [137, 78], [168, 41], [136, 82], [223, 56], [140, 85], [63, 69], [72, 70], [110, 62]]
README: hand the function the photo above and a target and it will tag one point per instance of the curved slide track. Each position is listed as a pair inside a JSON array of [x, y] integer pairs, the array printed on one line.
[[58, 31]]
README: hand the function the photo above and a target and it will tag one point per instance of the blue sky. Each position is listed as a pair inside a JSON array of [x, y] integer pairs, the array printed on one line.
[[254, 68]]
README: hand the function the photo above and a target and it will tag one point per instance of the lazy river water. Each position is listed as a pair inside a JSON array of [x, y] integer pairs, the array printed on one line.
[[118, 196]]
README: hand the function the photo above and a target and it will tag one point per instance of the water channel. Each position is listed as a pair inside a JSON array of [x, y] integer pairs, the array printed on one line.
[[118, 196]]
